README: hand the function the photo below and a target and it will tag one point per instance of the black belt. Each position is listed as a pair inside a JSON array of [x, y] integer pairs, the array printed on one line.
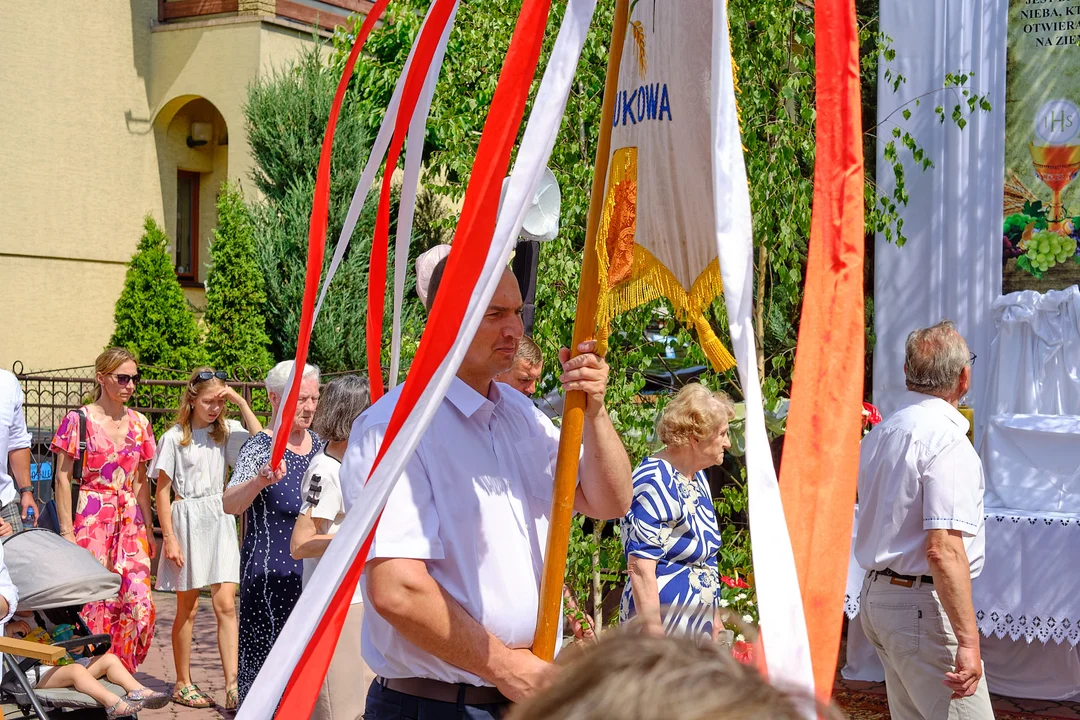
[[905, 580], [444, 691]]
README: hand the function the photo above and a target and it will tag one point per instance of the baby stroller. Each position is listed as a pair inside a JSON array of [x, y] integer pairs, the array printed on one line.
[[55, 578]]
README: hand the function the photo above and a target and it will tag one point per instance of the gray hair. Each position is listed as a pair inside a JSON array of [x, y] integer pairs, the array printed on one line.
[[934, 358], [342, 401], [278, 376]]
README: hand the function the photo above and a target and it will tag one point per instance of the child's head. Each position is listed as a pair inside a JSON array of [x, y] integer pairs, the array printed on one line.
[[203, 400]]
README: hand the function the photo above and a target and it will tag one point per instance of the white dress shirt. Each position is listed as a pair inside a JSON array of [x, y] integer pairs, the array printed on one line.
[[918, 471], [13, 432], [328, 506], [473, 503]]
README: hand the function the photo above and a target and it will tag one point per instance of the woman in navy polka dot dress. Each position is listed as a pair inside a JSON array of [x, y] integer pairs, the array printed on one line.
[[270, 580]]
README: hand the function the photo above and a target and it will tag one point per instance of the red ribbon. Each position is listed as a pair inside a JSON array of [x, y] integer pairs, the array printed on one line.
[[472, 242], [320, 209], [821, 452], [426, 47]]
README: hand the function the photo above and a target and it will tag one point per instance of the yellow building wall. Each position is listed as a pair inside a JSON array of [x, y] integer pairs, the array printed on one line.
[[89, 146]]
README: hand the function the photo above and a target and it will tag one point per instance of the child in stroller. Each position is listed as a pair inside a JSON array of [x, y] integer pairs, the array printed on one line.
[[84, 674]]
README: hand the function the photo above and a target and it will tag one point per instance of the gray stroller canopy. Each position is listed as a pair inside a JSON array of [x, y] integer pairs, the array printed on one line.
[[51, 572]]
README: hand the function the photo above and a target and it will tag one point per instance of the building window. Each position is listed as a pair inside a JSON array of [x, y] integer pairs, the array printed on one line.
[[187, 225]]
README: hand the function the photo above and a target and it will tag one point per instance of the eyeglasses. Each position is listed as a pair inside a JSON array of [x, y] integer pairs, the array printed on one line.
[[972, 360], [209, 374], [123, 379]]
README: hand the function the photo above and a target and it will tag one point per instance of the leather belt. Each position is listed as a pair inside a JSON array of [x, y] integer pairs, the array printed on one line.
[[904, 580], [444, 691]]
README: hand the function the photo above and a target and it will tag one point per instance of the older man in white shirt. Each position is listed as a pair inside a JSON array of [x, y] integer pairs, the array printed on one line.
[[455, 568], [921, 537], [16, 491]]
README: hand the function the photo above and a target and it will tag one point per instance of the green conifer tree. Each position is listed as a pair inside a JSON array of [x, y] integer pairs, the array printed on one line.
[[236, 339], [152, 317]]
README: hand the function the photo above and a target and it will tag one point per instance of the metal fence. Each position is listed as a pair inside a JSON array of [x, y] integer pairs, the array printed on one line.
[[52, 394]]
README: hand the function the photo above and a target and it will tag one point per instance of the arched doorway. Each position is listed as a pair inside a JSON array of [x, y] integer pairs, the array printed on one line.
[[192, 152]]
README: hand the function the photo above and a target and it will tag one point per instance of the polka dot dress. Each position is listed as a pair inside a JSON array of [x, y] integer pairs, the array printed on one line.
[[270, 580]]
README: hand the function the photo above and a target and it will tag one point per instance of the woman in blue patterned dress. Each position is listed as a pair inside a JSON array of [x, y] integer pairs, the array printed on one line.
[[270, 580], [670, 536]]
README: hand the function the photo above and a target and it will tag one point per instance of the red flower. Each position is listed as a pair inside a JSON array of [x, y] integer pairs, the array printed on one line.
[[734, 582], [870, 414], [743, 652]]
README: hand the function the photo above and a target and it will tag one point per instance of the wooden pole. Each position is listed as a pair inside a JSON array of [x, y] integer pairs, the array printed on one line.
[[549, 617]]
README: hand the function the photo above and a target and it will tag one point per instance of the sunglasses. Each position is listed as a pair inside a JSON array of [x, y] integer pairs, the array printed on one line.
[[972, 360], [210, 374], [123, 379]]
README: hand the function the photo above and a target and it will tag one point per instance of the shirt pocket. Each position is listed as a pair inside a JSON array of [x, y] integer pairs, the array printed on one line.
[[537, 471]]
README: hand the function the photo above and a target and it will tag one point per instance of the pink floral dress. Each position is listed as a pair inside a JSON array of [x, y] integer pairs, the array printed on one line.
[[109, 523]]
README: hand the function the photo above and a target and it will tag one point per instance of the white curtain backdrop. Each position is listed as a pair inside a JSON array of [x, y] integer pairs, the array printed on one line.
[[951, 264]]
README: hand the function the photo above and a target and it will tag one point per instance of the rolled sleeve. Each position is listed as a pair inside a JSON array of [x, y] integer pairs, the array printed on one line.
[[412, 527], [18, 436], [951, 490]]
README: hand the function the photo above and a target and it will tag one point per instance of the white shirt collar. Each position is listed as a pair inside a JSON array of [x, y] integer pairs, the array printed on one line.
[[935, 403], [470, 403]]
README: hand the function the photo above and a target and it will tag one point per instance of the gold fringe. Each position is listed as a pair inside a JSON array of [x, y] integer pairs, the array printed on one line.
[[649, 280]]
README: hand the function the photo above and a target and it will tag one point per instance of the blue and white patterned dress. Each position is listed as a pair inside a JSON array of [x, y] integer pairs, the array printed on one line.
[[672, 521]]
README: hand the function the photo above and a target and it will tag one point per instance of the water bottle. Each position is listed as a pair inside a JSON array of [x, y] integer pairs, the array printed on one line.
[[30, 517]]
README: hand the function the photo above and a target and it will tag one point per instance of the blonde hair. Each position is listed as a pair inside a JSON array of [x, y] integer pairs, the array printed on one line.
[[640, 677], [108, 361], [219, 429], [694, 413], [529, 351]]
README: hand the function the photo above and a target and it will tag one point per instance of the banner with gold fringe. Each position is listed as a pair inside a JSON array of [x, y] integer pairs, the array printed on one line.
[[657, 234]]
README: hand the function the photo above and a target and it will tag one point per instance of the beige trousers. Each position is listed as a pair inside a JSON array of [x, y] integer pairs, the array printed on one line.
[[345, 688], [917, 646]]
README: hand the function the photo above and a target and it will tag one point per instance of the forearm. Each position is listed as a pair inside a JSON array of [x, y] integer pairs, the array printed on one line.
[[425, 614], [63, 499], [164, 504], [952, 581], [606, 477], [251, 422], [142, 496], [19, 466], [646, 590], [236, 499]]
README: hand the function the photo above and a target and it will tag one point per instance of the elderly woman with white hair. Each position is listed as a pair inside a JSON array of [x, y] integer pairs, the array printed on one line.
[[671, 536], [270, 579]]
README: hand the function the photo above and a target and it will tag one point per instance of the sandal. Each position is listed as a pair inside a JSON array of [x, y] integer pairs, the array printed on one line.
[[192, 697], [232, 698], [123, 708], [148, 699]]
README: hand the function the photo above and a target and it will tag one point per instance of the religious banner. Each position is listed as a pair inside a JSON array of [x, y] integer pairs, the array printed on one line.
[[1042, 146], [656, 236]]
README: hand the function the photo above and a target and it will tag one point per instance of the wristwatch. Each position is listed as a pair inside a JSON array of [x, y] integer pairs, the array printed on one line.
[[27, 489]]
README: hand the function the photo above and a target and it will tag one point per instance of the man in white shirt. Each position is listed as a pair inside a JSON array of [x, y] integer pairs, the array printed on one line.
[[16, 492], [921, 538], [454, 573]]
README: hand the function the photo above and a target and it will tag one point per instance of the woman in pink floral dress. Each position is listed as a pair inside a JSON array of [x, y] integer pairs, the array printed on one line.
[[114, 503]]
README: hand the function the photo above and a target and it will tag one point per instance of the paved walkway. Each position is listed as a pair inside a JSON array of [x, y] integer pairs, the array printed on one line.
[[157, 670]]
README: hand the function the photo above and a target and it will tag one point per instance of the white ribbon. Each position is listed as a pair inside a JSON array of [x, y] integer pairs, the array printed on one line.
[[783, 625]]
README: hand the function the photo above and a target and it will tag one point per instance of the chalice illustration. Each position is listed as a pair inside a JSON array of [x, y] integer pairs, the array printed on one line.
[[1056, 166]]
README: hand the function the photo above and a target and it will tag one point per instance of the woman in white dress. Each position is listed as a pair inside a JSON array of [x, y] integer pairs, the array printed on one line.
[[344, 689], [200, 548]]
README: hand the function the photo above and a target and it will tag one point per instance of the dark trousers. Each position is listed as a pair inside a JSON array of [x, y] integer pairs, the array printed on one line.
[[386, 704]]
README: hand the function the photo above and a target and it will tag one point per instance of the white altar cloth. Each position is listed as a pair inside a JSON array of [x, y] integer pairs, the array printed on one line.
[[1033, 463]]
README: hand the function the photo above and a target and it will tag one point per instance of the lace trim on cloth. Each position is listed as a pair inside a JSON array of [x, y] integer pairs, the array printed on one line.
[[1004, 624], [851, 606]]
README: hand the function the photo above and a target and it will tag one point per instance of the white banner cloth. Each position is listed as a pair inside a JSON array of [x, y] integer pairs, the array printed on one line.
[[951, 264], [783, 625], [534, 151]]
